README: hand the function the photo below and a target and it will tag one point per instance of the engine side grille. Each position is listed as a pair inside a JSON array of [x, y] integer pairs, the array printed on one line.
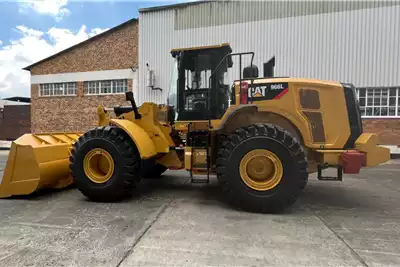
[[309, 99], [317, 126]]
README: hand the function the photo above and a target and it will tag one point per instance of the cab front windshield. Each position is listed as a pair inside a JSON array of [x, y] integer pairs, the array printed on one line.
[[173, 91]]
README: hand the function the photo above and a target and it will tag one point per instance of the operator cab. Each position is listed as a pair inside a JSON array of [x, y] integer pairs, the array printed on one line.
[[200, 90]]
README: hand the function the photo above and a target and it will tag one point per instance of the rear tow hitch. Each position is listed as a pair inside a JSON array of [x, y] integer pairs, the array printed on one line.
[[330, 178]]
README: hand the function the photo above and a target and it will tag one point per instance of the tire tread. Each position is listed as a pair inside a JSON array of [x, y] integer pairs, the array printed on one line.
[[251, 203], [129, 177]]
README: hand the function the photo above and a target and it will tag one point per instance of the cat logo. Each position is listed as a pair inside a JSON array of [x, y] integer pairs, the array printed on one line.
[[267, 91], [258, 91]]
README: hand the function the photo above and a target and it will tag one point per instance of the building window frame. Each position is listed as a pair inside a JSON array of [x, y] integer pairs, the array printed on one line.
[[58, 89], [375, 101], [106, 87]]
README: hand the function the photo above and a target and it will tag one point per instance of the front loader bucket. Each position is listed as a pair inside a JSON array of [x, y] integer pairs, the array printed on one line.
[[37, 161]]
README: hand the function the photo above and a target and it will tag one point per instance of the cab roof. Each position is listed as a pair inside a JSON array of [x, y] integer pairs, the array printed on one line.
[[175, 51]]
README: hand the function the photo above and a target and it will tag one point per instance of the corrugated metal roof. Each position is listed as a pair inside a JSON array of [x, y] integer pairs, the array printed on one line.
[[11, 103], [18, 99]]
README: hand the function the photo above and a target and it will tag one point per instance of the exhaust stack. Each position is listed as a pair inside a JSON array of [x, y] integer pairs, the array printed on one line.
[[269, 68]]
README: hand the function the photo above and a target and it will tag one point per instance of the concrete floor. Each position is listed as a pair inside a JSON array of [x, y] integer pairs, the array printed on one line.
[[171, 222]]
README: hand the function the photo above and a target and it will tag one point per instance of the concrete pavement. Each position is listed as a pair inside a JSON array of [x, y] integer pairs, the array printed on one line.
[[171, 222]]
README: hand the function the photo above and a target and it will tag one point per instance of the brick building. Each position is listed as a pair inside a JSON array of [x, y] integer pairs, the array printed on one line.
[[14, 119], [67, 88]]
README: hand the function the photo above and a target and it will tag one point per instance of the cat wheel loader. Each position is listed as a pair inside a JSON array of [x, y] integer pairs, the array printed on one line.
[[261, 136]]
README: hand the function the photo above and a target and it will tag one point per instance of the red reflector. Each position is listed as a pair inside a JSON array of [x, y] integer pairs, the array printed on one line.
[[244, 88], [352, 161]]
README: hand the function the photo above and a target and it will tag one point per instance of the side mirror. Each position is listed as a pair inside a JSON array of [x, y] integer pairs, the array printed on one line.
[[250, 72]]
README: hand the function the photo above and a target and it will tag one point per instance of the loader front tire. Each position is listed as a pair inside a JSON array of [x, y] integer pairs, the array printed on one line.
[[261, 168], [120, 160]]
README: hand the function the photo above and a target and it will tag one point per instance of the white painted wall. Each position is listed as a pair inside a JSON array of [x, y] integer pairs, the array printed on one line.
[[357, 46]]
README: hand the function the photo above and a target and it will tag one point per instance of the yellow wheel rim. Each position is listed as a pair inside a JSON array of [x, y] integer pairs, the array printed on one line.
[[98, 165], [261, 170]]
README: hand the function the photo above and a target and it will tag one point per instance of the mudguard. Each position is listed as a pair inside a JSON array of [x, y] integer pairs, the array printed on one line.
[[142, 140]]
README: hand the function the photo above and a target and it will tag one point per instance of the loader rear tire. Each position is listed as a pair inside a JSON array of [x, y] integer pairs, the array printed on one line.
[[269, 141], [126, 164]]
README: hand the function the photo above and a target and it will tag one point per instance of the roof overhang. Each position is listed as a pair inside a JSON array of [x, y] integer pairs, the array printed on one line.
[[173, 6]]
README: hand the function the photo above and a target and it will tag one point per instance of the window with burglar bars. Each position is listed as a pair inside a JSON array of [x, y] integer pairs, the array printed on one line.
[[106, 87], [379, 102], [57, 89]]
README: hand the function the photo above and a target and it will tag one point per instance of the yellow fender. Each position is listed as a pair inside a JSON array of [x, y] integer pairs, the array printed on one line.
[[142, 140]]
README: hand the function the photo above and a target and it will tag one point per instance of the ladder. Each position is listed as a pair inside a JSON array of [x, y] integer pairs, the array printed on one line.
[[199, 141]]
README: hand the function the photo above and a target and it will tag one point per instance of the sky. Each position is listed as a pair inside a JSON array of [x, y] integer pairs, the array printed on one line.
[[31, 30]]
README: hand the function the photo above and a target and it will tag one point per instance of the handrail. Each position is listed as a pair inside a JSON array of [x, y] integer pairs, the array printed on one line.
[[215, 70]]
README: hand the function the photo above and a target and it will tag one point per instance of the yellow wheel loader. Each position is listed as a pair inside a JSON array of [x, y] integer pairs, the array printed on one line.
[[261, 136]]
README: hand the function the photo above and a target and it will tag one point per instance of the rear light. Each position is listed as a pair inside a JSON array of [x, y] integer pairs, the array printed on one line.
[[244, 88]]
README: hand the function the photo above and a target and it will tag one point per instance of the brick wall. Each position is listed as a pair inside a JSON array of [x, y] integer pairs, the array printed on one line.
[[70, 113], [117, 49], [388, 130], [15, 121]]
